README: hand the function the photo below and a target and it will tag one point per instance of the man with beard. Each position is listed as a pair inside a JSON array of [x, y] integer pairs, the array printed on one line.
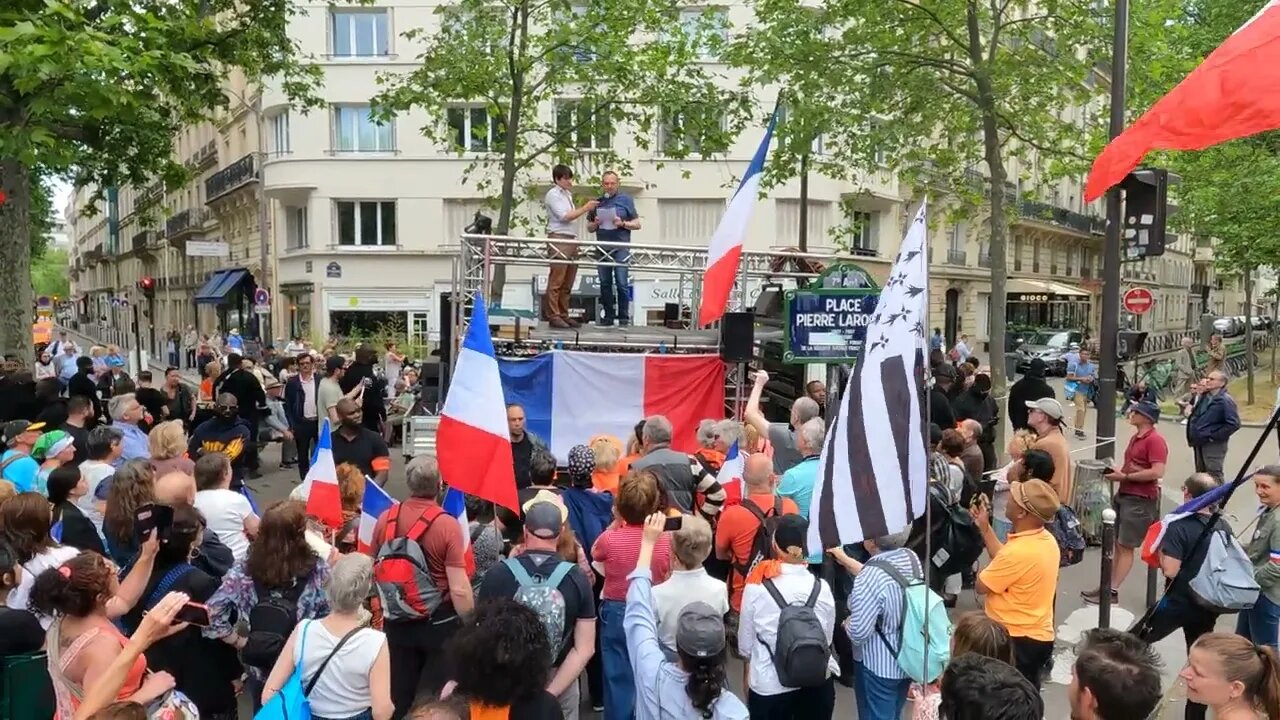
[[226, 432], [356, 444], [976, 403]]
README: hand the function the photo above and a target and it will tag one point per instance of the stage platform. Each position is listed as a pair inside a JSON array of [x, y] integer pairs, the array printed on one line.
[[631, 338]]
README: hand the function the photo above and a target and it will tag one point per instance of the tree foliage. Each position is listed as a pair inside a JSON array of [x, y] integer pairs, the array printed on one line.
[[942, 92], [97, 90], [586, 84], [49, 274]]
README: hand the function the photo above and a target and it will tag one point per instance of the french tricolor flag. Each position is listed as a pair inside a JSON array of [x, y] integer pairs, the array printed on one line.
[[472, 441], [376, 502], [730, 475], [455, 503], [1155, 534], [324, 501], [725, 251]]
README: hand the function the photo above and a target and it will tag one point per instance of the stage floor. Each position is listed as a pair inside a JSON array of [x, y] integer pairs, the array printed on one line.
[[630, 336]]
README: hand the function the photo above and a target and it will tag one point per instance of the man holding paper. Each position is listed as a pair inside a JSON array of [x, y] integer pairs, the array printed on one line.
[[612, 220]]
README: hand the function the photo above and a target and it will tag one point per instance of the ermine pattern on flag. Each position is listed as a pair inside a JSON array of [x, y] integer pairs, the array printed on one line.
[[324, 501], [874, 467], [376, 502], [730, 475], [1155, 534]]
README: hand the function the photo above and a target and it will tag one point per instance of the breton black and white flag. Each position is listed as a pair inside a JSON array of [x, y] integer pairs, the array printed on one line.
[[874, 469]]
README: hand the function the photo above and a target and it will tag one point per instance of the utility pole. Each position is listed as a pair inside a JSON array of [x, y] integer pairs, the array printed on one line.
[[264, 220], [1105, 399]]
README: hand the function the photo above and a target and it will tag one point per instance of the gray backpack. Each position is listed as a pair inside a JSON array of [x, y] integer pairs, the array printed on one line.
[[1225, 582], [540, 592], [802, 651]]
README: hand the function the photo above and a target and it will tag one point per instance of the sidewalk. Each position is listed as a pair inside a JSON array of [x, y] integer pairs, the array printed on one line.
[[155, 365]]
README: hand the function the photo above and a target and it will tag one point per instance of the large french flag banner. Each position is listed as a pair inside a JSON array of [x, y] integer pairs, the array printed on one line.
[[324, 501], [1155, 533], [472, 441], [730, 475], [376, 502], [725, 251], [570, 397]]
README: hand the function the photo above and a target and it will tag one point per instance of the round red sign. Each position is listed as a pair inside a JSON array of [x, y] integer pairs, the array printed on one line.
[[1138, 300]]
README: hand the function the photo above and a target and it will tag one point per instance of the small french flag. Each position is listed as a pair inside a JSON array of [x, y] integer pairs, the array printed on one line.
[[1155, 533], [1275, 556], [730, 475], [324, 501], [455, 503], [376, 502]]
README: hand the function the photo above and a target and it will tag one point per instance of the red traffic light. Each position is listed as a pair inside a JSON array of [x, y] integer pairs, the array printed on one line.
[[147, 283]]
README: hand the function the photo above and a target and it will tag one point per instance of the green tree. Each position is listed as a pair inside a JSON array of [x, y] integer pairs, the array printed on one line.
[[96, 91], [49, 274], [942, 92], [526, 83]]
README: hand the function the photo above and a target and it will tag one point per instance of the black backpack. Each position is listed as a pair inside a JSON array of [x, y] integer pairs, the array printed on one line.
[[762, 543], [801, 653], [271, 621]]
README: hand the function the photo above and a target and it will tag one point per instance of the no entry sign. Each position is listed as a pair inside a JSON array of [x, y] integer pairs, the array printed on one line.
[[1138, 300]]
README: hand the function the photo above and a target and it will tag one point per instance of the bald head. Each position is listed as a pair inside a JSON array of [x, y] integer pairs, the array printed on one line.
[[176, 488], [758, 473], [972, 430]]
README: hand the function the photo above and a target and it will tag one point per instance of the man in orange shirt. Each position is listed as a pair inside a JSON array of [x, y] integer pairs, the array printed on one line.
[[737, 529]]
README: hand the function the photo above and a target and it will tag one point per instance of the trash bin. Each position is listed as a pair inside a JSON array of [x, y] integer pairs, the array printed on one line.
[[1011, 364], [1091, 494]]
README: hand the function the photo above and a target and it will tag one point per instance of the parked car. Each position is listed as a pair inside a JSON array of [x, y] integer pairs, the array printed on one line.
[[1229, 326], [1051, 346]]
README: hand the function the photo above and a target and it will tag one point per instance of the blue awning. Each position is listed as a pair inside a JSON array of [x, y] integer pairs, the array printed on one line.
[[219, 285]]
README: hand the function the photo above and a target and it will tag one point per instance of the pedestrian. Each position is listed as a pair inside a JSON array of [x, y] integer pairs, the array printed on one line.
[[689, 581], [742, 532], [1045, 419], [798, 482], [976, 403], [1239, 680], [227, 513], [301, 406], [1186, 373], [130, 489], [1213, 421], [167, 444], [1028, 389], [66, 486], [973, 632], [83, 383], [190, 341], [613, 220], [17, 464], [972, 460], [561, 225], [1261, 623], [355, 443], [1115, 675], [978, 688], [501, 657], [1082, 377], [127, 414], [226, 433], [940, 412], [54, 449], [936, 341], [1217, 355], [1137, 497], [781, 436]]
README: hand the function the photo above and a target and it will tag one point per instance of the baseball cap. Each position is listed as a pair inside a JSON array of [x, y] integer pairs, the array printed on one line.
[[700, 630], [14, 428], [790, 533], [1036, 497], [1048, 406], [52, 443], [545, 515], [1147, 409]]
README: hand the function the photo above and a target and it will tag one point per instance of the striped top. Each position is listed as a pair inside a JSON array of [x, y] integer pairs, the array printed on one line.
[[876, 602]]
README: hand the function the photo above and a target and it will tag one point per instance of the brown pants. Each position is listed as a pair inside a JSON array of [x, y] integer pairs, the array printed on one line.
[[560, 279]]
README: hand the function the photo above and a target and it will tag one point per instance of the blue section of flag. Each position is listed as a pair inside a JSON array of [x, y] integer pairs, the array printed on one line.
[[1195, 505], [757, 161], [455, 503], [529, 384], [55, 532], [376, 500], [732, 454], [477, 337], [324, 440], [253, 504]]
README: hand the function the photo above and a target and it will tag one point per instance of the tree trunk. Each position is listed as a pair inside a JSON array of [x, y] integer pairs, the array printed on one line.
[[804, 203], [15, 260], [1248, 333], [1274, 338], [516, 44]]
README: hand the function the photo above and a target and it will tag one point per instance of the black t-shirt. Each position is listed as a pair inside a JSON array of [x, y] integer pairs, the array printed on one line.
[[1180, 542], [154, 402], [521, 454], [543, 706], [361, 450], [579, 603], [20, 632], [81, 437]]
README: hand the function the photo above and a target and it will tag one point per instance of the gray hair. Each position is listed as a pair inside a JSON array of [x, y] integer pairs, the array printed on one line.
[[972, 428], [706, 432], [119, 404], [657, 430], [422, 475], [803, 410], [730, 431], [812, 435], [349, 583], [101, 439], [885, 543]]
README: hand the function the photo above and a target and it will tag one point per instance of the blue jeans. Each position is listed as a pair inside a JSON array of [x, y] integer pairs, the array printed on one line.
[[613, 286], [1261, 624], [878, 697], [619, 685]]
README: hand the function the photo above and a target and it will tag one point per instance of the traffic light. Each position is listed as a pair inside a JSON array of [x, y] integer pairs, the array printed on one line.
[[148, 287], [1146, 211]]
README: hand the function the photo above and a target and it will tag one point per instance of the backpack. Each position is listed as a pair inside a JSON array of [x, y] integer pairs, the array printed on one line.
[[271, 621], [801, 652], [762, 542], [1065, 528], [541, 593], [400, 572], [923, 616], [1225, 582]]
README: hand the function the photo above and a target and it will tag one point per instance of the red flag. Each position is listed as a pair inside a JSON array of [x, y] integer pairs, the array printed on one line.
[[1234, 93]]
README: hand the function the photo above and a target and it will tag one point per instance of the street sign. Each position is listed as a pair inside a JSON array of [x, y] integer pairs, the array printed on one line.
[[261, 297], [827, 321], [262, 309], [1138, 300]]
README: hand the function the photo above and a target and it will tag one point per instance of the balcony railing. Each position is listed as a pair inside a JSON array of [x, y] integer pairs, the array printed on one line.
[[957, 257], [863, 251], [984, 260], [1086, 272], [1062, 217], [140, 241], [187, 221], [1035, 266], [1017, 264], [1053, 269], [238, 173]]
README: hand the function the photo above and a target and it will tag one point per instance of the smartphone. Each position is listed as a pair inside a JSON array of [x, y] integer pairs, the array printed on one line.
[[194, 613], [151, 517], [673, 523]]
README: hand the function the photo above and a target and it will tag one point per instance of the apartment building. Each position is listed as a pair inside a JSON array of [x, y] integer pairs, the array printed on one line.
[[362, 219]]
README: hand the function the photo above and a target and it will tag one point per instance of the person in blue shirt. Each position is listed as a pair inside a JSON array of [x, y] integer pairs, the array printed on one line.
[[235, 343], [127, 414], [1082, 375], [16, 465], [935, 341], [797, 483], [612, 221]]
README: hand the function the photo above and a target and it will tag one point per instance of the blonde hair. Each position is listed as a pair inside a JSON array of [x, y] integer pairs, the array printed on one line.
[[691, 544], [1021, 442], [167, 440], [750, 437], [607, 451], [7, 490], [97, 351], [213, 369]]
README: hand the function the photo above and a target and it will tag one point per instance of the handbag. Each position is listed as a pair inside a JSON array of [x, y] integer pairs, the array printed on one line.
[[291, 702]]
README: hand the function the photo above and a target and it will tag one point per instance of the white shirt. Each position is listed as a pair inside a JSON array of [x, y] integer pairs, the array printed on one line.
[[759, 623], [51, 558], [225, 511], [682, 588], [308, 396], [343, 690], [962, 350], [559, 204], [93, 472]]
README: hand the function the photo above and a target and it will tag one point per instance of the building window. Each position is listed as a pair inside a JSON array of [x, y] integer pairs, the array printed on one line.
[[356, 131], [419, 329], [685, 132], [368, 223], [958, 238], [280, 144], [474, 129], [359, 33], [582, 126], [295, 226], [707, 30], [860, 231]]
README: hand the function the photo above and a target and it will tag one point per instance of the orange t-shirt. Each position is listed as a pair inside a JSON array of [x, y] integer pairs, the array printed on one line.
[[735, 533]]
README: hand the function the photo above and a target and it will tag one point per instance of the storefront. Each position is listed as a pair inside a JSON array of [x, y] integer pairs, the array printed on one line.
[[381, 314], [230, 293], [296, 298], [1046, 304]]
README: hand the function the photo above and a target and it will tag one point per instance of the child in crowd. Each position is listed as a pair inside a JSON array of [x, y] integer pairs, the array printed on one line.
[[689, 581], [974, 632], [228, 513]]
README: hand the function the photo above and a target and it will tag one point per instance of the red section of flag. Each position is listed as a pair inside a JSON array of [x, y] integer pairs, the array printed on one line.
[[324, 503], [685, 390], [479, 463], [1232, 94], [717, 283]]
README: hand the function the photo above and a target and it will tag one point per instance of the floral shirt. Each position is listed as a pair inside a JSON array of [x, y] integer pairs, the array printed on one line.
[[237, 597]]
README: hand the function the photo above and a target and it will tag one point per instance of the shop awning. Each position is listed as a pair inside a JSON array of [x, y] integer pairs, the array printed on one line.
[[1042, 287], [219, 285]]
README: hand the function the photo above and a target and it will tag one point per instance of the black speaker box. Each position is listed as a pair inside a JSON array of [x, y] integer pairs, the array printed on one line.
[[737, 336]]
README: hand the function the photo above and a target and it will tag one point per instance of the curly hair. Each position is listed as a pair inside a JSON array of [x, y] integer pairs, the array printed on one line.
[[280, 555], [25, 520], [639, 496], [77, 588], [706, 682], [501, 654], [133, 486]]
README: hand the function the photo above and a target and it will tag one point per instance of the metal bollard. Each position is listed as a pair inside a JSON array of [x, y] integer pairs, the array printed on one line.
[[1152, 579], [1108, 556]]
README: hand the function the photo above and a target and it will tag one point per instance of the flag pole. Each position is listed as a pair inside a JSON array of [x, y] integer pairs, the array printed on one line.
[[927, 379]]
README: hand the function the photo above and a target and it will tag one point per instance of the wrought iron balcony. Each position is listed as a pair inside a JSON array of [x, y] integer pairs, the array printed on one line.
[[187, 221], [231, 177], [140, 241], [957, 257], [863, 251], [984, 260], [1062, 217]]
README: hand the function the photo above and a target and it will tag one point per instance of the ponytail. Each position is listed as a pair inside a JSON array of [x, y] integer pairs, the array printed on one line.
[[1255, 666], [1267, 692], [76, 588], [706, 681]]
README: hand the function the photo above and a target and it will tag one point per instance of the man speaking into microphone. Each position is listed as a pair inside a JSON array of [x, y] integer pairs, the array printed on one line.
[[612, 220]]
